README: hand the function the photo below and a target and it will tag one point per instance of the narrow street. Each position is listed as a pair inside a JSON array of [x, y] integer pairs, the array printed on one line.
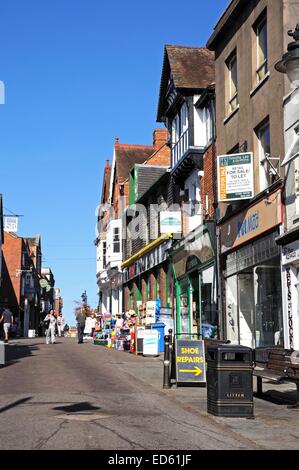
[[71, 396]]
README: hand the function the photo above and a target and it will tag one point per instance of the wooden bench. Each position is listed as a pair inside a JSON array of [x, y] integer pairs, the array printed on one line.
[[277, 365]]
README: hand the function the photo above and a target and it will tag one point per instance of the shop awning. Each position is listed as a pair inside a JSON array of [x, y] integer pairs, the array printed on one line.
[[145, 250]]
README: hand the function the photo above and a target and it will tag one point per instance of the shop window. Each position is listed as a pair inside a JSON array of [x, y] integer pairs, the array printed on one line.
[[232, 67], [208, 303], [169, 286], [254, 306]]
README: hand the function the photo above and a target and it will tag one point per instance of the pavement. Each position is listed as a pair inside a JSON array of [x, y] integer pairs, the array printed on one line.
[[83, 396]]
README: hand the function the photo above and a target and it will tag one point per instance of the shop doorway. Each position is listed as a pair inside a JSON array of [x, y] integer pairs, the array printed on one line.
[[195, 302], [246, 309]]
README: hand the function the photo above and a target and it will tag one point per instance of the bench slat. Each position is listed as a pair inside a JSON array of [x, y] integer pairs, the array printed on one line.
[[266, 374]]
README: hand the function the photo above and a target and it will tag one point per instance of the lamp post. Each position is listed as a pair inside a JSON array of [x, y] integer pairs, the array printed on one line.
[[289, 63]]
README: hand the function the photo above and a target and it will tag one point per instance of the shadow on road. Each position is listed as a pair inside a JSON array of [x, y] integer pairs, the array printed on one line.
[[15, 352], [77, 407], [15, 403]]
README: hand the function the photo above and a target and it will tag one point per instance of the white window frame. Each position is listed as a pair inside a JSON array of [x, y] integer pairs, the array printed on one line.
[[116, 239], [179, 138]]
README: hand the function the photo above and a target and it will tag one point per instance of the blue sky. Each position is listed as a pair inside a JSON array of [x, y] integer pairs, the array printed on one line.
[[77, 73]]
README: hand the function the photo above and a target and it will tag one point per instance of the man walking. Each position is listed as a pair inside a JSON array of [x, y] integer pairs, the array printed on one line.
[[7, 319], [60, 324], [81, 318], [50, 322]]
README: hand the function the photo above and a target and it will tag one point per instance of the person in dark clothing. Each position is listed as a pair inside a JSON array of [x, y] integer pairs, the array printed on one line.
[[81, 318], [7, 319]]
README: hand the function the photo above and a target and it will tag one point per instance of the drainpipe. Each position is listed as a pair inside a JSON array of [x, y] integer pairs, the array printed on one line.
[[212, 105]]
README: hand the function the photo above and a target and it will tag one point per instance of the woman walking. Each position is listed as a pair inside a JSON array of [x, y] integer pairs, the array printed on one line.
[[50, 321]]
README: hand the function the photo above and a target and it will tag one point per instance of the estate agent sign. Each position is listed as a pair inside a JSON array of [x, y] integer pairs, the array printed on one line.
[[235, 177]]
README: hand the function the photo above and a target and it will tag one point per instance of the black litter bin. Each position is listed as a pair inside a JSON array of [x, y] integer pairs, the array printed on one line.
[[229, 380]]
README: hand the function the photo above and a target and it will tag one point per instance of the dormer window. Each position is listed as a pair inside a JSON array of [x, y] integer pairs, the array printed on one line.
[[179, 136]]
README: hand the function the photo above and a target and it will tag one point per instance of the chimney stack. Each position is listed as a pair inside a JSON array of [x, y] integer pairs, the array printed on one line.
[[160, 137]]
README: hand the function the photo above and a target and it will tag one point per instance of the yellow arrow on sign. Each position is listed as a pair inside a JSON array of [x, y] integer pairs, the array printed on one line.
[[197, 371]]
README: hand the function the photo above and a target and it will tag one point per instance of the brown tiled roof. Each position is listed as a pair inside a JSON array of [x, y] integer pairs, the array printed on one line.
[[191, 68], [127, 155]]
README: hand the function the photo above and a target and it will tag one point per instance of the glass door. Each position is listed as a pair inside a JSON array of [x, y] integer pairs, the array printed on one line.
[[195, 302], [184, 306], [232, 319], [246, 309], [268, 316]]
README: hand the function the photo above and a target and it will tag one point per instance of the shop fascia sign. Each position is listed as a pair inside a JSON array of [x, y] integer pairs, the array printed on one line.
[[235, 177], [11, 224], [252, 222], [290, 253], [149, 261], [170, 222]]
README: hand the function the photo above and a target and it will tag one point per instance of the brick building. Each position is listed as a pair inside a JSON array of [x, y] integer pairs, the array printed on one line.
[[20, 289], [115, 200]]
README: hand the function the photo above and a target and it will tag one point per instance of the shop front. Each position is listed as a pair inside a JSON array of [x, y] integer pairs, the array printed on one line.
[[145, 276], [193, 261], [250, 260]]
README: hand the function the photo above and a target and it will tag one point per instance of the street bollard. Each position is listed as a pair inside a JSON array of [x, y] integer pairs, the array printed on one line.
[[170, 353], [2, 353], [166, 379]]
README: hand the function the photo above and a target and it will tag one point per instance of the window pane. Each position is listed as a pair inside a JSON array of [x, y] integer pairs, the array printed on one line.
[[265, 139], [234, 77], [233, 82], [262, 50]]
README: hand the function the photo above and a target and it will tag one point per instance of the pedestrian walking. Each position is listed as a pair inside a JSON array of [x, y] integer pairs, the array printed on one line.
[[50, 322], [7, 319], [60, 324], [93, 323], [81, 319]]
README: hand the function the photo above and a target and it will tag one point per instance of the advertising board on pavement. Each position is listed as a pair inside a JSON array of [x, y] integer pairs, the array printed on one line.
[[190, 361]]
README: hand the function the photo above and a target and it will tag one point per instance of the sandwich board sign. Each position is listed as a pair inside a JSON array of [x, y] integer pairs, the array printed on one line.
[[150, 343], [190, 361]]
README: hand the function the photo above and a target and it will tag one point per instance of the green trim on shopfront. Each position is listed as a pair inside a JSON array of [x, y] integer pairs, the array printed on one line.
[[167, 304], [156, 274], [199, 269], [138, 293]]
